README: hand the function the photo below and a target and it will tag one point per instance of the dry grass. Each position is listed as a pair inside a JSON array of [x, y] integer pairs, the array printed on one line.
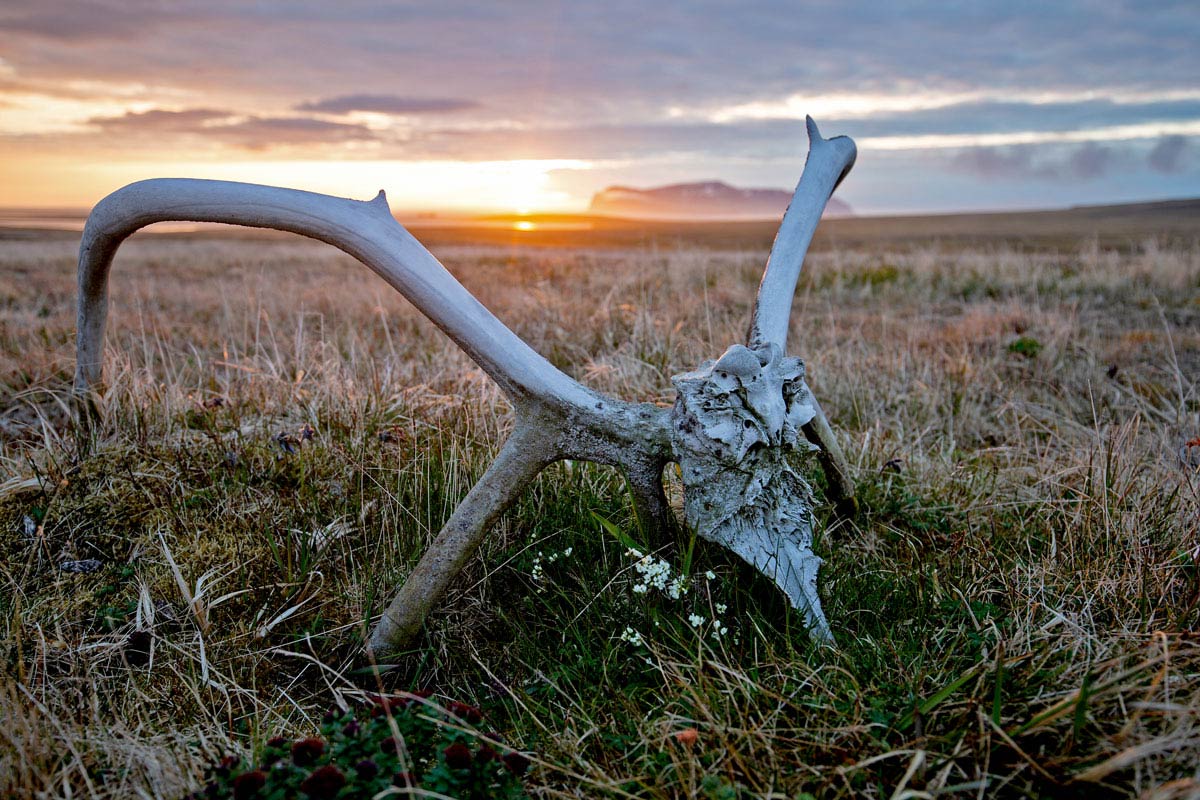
[[1016, 606]]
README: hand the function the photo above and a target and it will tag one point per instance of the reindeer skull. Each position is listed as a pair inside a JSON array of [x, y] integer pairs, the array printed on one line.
[[736, 429]]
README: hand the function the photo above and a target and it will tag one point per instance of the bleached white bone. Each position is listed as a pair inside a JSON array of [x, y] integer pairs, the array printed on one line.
[[741, 487]]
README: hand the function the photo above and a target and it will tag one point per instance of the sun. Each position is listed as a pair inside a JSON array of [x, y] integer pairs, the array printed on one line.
[[527, 186]]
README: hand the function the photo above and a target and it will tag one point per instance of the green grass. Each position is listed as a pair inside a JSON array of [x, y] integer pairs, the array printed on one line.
[[1015, 607]]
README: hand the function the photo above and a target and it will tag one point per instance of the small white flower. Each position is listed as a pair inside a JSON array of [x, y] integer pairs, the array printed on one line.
[[722, 608], [568, 551], [631, 636], [712, 576], [639, 588], [696, 620]]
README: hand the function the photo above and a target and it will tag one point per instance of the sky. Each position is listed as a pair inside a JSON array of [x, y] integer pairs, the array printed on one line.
[[534, 106]]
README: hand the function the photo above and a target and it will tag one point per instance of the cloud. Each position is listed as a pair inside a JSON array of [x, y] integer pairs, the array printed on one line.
[[994, 162], [77, 21], [387, 104], [619, 59], [983, 90], [253, 133], [1168, 155], [259, 133], [1088, 161], [158, 120]]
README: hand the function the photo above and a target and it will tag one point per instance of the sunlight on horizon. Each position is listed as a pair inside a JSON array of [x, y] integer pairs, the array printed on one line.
[[518, 186]]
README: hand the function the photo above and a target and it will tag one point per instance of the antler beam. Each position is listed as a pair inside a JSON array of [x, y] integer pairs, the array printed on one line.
[[365, 230], [828, 163], [732, 429]]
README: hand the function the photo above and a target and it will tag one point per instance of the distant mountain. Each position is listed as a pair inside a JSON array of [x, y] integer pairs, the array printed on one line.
[[707, 200]]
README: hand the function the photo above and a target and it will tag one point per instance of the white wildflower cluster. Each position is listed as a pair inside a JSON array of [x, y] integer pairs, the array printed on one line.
[[538, 571], [656, 574], [718, 628]]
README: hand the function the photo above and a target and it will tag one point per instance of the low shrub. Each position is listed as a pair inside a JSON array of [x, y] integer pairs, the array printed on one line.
[[403, 742]]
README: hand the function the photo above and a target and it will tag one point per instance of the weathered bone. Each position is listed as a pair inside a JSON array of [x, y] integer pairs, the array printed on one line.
[[734, 429]]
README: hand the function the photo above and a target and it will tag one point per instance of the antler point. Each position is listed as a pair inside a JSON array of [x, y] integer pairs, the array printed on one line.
[[814, 133]]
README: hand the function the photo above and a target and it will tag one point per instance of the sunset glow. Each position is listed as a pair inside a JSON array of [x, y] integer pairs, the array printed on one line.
[[538, 109], [518, 186]]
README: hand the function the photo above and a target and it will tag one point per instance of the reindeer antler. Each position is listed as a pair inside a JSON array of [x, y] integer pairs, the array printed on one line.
[[828, 163], [556, 417]]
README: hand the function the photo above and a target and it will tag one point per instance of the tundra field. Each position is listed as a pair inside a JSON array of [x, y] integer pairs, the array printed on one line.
[[1016, 605]]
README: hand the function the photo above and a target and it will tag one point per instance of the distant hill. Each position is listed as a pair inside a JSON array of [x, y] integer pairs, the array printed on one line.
[[698, 201]]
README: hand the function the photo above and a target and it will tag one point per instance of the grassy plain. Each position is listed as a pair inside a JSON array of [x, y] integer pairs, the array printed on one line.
[[1017, 606]]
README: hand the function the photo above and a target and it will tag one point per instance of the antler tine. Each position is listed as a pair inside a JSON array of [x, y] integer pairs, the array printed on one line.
[[829, 161], [365, 230]]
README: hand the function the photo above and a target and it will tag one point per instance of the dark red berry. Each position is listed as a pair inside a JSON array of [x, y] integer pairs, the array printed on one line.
[[470, 713], [247, 785], [381, 705], [517, 763], [458, 756], [306, 751], [324, 783], [137, 648]]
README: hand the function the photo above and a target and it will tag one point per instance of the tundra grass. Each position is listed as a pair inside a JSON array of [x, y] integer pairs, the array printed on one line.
[[1016, 606]]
